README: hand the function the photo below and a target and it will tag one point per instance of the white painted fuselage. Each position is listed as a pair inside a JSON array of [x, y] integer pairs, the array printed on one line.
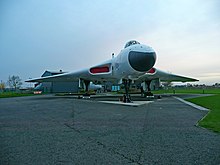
[[131, 63]]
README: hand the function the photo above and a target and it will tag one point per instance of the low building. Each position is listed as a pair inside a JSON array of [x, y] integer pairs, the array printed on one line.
[[57, 87]]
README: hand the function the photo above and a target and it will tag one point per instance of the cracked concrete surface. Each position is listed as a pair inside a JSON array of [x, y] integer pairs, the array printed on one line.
[[62, 130]]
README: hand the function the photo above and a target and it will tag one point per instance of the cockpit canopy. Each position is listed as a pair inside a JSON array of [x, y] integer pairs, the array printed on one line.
[[132, 42]]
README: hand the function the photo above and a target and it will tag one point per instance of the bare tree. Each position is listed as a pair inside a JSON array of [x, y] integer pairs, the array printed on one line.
[[2, 86], [14, 82]]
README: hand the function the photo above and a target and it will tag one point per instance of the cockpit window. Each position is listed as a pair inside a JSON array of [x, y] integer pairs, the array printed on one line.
[[129, 43]]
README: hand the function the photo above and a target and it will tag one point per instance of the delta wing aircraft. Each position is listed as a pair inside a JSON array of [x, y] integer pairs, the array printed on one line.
[[134, 64]]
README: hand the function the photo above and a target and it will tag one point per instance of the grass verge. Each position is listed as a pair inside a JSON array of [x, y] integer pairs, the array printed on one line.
[[212, 120], [14, 94], [189, 90]]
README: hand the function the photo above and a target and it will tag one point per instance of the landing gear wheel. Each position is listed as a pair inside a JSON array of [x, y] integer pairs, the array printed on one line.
[[126, 97], [148, 93]]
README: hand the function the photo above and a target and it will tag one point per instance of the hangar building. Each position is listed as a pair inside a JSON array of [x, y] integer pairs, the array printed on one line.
[[57, 87]]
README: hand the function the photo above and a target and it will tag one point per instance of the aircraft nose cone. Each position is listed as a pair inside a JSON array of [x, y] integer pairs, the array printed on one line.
[[142, 61]]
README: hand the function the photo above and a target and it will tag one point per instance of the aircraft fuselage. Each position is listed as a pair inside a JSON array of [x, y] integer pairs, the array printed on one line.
[[132, 62]]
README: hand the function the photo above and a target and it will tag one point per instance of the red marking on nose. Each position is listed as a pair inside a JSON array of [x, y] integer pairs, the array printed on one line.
[[152, 70]]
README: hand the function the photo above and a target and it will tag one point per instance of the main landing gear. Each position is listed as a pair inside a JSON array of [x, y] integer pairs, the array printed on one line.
[[148, 92], [127, 97], [86, 88]]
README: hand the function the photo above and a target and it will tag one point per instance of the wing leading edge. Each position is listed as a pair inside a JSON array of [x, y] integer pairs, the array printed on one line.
[[62, 77], [97, 73], [166, 77]]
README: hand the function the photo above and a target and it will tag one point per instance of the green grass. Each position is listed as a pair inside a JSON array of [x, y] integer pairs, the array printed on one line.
[[212, 120], [189, 90], [14, 94]]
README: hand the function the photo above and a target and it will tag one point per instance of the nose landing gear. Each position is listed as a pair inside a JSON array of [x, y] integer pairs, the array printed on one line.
[[126, 97]]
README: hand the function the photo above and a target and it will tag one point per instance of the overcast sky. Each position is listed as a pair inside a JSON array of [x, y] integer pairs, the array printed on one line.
[[39, 35]]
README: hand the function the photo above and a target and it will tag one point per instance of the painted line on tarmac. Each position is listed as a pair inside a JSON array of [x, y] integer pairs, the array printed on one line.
[[191, 104], [134, 103]]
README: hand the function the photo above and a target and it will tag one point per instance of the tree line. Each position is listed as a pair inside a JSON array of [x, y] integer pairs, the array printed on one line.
[[14, 83]]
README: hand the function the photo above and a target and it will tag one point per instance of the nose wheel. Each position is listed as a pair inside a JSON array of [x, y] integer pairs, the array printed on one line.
[[126, 97]]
